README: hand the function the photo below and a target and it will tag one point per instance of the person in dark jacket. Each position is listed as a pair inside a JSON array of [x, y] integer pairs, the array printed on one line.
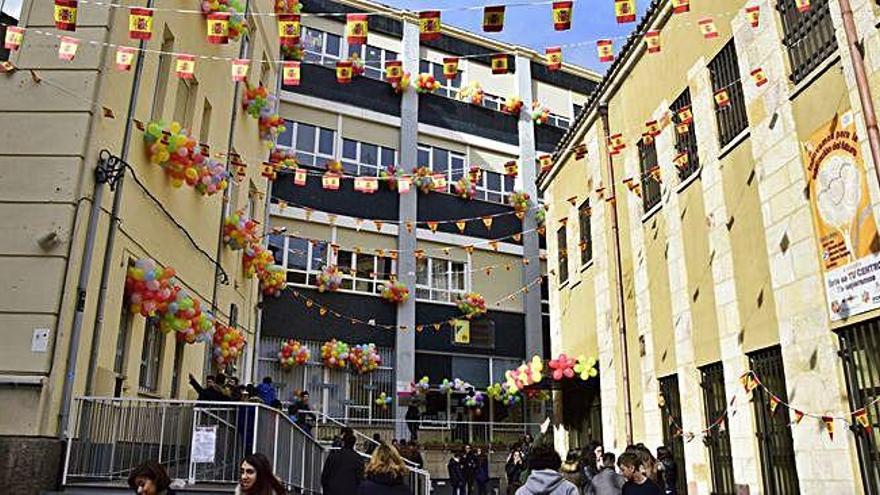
[[482, 476], [266, 391], [667, 470], [607, 481], [469, 464], [513, 467], [385, 474], [370, 447], [210, 392], [456, 474], [301, 413], [343, 470], [413, 416]]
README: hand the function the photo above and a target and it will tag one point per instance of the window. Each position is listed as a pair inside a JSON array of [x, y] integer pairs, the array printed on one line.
[[576, 110], [122, 340], [448, 87], [559, 121], [302, 258], [374, 59], [440, 280], [151, 356], [366, 159], [808, 36], [562, 254], [364, 272], [685, 142], [178, 366], [162, 74], [670, 413], [495, 187], [718, 442], [586, 244], [731, 118], [545, 296], [313, 145], [185, 102], [318, 46], [474, 370], [649, 167], [493, 102], [205, 127], [442, 161]]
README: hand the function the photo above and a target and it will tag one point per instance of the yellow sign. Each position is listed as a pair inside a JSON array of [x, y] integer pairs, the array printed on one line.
[[462, 331]]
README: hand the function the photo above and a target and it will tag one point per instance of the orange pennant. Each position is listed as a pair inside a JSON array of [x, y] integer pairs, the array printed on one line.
[[461, 224], [378, 224], [494, 245], [433, 226], [829, 425], [487, 221]]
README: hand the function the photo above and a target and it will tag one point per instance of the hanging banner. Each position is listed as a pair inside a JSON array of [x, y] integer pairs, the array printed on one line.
[[562, 16], [185, 67], [65, 15], [499, 63], [450, 67], [605, 49], [393, 71], [218, 28], [652, 41], [299, 177], [753, 14], [344, 71], [14, 37], [545, 162], [124, 58], [722, 98], [290, 73], [429, 25], [707, 27], [685, 115], [356, 29], [681, 6], [493, 19], [288, 29], [67, 48], [240, 68], [759, 77], [845, 226], [625, 10], [553, 57], [140, 23]]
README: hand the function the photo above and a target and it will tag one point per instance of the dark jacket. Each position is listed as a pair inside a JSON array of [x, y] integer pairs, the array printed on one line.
[[469, 462], [482, 470], [383, 485], [343, 471], [207, 393], [606, 482], [456, 472]]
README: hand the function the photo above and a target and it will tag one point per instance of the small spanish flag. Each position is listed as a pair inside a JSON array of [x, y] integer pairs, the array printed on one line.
[[493, 18], [450, 67], [240, 68], [343, 71], [682, 128], [580, 151], [652, 41], [14, 36], [861, 417], [681, 160], [722, 98], [404, 184], [356, 28], [652, 128], [288, 29], [681, 6], [330, 181], [802, 5], [290, 73], [268, 171], [140, 23], [429, 25], [511, 168], [625, 10], [616, 142], [65, 15], [829, 425], [545, 162], [562, 16], [707, 27], [299, 177], [759, 77], [366, 185], [605, 48], [185, 67], [124, 57], [218, 28], [67, 48], [774, 404], [439, 182], [499, 63], [798, 416], [553, 57], [753, 15], [393, 71], [685, 115]]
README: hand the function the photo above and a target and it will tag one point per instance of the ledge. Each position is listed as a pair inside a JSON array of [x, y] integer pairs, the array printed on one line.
[[742, 136], [692, 178]]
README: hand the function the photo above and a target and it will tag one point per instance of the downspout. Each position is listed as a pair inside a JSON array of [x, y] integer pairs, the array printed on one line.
[[621, 321], [858, 63]]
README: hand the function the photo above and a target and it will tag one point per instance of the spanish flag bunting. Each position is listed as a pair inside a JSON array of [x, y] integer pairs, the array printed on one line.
[[343, 71], [861, 417], [759, 77], [433, 226], [461, 224], [493, 18], [511, 169], [652, 128], [753, 14], [749, 382], [499, 63], [562, 16], [299, 177], [516, 238], [802, 5], [681, 6], [829, 425], [288, 29], [366, 185], [681, 160], [616, 141], [291, 73], [356, 28], [240, 68], [330, 181], [682, 128], [774, 404], [553, 58], [124, 57], [647, 138], [429, 25], [652, 41], [520, 215], [65, 15], [707, 27], [580, 151], [404, 184], [322, 311], [218, 28], [546, 162], [625, 10], [267, 170], [393, 71], [722, 98], [67, 48], [685, 115], [487, 221], [185, 67], [450, 67], [494, 245], [439, 182], [655, 173], [140, 23], [605, 48], [14, 36]]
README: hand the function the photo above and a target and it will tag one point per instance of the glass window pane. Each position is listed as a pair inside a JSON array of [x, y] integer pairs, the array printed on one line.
[[424, 157], [305, 159], [455, 83], [422, 272], [438, 274], [457, 276], [438, 73], [383, 268], [493, 197], [296, 253], [457, 164], [356, 50], [344, 260], [369, 154], [373, 58], [305, 137], [296, 277], [373, 72], [369, 171], [286, 137], [424, 66], [310, 56], [387, 157], [319, 256], [509, 183], [312, 40], [333, 45], [493, 181], [423, 293], [350, 168], [389, 55], [472, 370], [349, 149], [440, 162], [364, 266], [325, 145]]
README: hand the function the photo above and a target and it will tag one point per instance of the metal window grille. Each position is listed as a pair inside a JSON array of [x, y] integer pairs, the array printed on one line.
[[685, 142], [648, 166], [562, 250], [860, 351], [672, 435], [808, 36], [151, 356], [718, 440], [731, 118], [586, 244], [774, 434]]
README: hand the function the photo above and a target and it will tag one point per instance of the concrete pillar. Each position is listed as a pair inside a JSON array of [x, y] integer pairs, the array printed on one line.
[[405, 343]]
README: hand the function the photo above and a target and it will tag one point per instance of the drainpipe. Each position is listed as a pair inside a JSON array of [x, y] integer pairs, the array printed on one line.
[[858, 63], [621, 321]]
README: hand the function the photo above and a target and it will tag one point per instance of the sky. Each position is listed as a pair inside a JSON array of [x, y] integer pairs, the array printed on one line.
[[527, 25]]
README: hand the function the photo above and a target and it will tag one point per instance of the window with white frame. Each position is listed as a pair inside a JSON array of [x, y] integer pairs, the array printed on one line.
[[363, 272], [440, 280], [495, 187], [313, 145], [365, 159], [303, 259], [493, 102], [319, 46], [448, 87], [374, 59], [151, 356], [441, 161], [559, 121]]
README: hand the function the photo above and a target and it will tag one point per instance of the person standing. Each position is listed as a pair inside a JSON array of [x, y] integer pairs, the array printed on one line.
[[470, 469], [150, 478], [544, 478], [257, 478], [637, 483], [301, 412], [343, 470], [482, 475], [413, 416], [266, 391], [513, 467], [384, 474], [667, 470], [370, 447], [572, 470], [456, 474], [607, 481]]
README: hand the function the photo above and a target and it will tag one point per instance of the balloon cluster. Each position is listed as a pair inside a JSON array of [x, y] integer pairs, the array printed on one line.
[[330, 279], [512, 105], [272, 280], [293, 353], [285, 158], [403, 84], [423, 179], [456, 385], [541, 217], [426, 83], [472, 305], [525, 375], [270, 125], [390, 176], [170, 147], [383, 401], [501, 392], [364, 358], [236, 15], [472, 93], [213, 177], [287, 7], [185, 317], [240, 231], [540, 114], [521, 201], [562, 366], [465, 189], [474, 400], [228, 344], [255, 259], [335, 354], [357, 65], [395, 292], [420, 387], [586, 367], [149, 287], [256, 99], [334, 166]]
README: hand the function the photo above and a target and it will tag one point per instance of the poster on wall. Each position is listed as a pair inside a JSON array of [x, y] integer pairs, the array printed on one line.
[[845, 226]]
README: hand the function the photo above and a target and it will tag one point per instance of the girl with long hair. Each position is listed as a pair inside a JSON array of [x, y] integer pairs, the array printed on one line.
[[257, 478], [385, 473]]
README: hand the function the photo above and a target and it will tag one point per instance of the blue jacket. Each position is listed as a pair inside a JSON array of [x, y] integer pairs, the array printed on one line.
[[267, 392]]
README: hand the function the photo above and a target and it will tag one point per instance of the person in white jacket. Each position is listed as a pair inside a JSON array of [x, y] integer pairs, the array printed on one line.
[[544, 478]]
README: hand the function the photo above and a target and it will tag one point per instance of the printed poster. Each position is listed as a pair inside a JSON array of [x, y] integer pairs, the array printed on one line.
[[204, 444], [845, 226]]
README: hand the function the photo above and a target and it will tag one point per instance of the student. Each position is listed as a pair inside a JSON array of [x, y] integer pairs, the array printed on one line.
[[607, 481], [343, 470], [637, 483], [456, 474], [544, 478], [257, 477], [150, 478], [385, 474]]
